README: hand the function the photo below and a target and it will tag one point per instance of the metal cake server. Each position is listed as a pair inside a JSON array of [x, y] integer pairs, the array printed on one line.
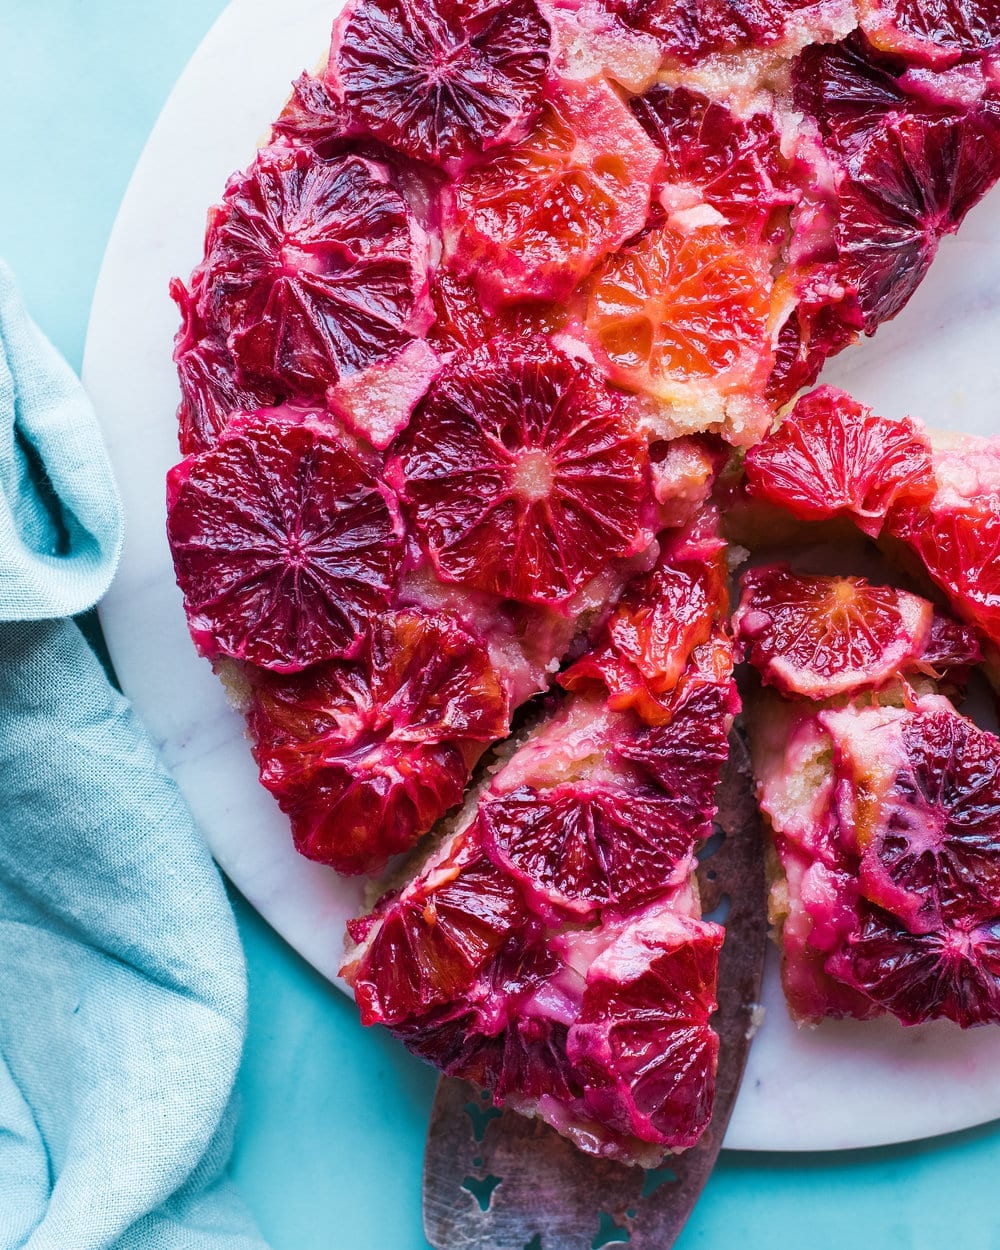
[[499, 1181]]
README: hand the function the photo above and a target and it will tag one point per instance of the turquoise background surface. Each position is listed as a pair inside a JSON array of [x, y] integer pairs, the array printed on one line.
[[330, 1145]]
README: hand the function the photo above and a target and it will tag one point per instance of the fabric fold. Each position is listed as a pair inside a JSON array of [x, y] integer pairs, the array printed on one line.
[[60, 517], [122, 979]]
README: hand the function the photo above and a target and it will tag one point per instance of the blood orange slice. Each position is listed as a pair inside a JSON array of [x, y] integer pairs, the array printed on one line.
[[460, 321], [956, 534], [284, 543], [832, 457], [716, 161], [522, 473], [692, 29], [684, 758], [922, 787], [502, 1034], [313, 115], [682, 316], [960, 549], [952, 650], [314, 269], [648, 640], [441, 78], [583, 847], [912, 184], [916, 155], [642, 1046], [820, 637], [853, 92], [938, 33], [427, 945], [210, 391], [824, 322], [535, 220], [952, 972], [366, 755], [599, 810]]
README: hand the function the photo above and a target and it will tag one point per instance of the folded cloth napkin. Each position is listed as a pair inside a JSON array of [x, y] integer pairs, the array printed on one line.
[[122, 981]]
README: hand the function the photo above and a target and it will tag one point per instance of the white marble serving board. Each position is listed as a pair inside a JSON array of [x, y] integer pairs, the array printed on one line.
[[840, 1085]]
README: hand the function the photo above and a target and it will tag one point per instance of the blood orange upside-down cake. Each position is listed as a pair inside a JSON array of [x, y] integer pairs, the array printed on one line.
[[475, 374]]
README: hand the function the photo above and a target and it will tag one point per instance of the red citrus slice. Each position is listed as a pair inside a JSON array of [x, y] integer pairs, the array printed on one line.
[[647, 641], [823, 320], [583, 846], [714, 160], [643, 1047], [599, 812], [960, 549], [952, 650], [210, 391], [808, 338], [313, 114], [366, 755], [853, 92], [284, 544], [832, 457], [314, 268], [681, 315], [956, 534], [912, 184], [535, 220], [690, 30], [500, 1035], [924, 795], [441, 78], [427, 945], [819, 637], [811, 992], [460, 321], [916, 155], [684, 758], [522, 473], [938, 33], [952, 972]]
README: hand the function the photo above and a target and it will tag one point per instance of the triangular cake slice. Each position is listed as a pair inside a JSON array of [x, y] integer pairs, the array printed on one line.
[[882, 799], [551, 947]]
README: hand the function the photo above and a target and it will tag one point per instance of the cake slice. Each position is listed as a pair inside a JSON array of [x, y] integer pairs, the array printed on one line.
[[551, 948], [882, 800], [886, 877]]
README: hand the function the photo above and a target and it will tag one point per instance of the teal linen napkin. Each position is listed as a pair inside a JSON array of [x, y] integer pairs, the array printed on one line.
[[122, 981]]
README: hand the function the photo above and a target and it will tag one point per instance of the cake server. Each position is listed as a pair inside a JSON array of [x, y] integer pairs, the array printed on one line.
[[500, 1181]]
